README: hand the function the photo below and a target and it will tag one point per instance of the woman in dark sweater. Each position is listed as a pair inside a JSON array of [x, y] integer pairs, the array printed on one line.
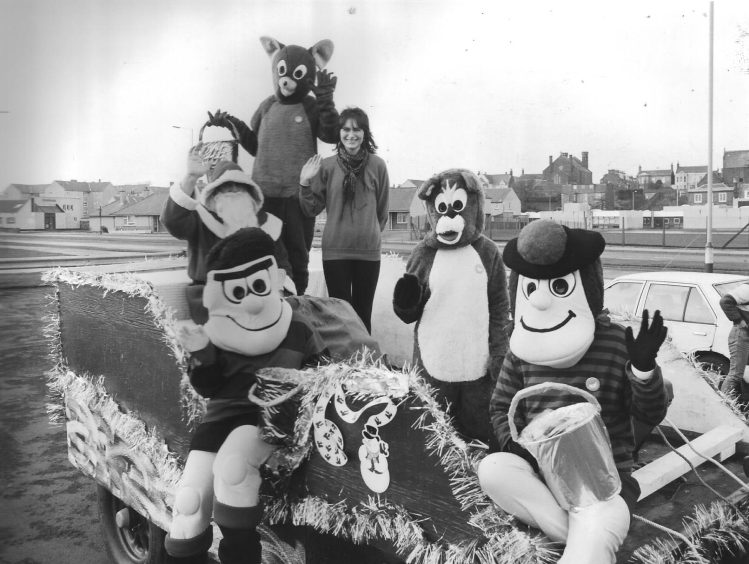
[[353, 187]]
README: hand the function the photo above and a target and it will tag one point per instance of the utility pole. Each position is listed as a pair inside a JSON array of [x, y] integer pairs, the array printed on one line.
[[709, 238]]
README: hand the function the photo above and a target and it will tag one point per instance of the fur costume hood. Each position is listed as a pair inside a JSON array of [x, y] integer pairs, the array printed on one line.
[[454, 202], [295, 66]]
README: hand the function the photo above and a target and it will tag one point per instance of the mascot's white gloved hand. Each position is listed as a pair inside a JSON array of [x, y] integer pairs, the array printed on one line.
[[643, 349], [192, 336]]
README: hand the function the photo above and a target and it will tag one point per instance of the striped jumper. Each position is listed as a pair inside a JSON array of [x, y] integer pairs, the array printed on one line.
[[620, 394]]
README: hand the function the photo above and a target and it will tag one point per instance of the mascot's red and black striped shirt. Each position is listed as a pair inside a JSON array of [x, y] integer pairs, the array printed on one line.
[[621, 395]]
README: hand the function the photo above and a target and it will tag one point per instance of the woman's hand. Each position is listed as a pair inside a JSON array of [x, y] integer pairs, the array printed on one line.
[[195, 165], [310, 170]]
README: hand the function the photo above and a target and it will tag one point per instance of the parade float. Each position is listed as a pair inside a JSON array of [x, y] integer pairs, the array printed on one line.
[[120, 388]]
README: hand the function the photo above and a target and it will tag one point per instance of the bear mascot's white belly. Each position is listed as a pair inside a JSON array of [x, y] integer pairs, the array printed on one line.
[[453, 334]]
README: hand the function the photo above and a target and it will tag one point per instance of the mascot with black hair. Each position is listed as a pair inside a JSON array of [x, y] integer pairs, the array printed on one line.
[[455, 289], [250, 326], [563, 342]]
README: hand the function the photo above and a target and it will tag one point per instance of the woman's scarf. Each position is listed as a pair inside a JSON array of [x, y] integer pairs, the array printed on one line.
[[352, 166]]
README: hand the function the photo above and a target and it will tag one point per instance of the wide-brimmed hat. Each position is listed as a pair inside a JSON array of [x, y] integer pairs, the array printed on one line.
[[229, 171], [545, 249]]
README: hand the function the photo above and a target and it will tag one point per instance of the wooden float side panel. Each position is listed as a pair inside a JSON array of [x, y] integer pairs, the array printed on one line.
[[418, 481], [112, 335]]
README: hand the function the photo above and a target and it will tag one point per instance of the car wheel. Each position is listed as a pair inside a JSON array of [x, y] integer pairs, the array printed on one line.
[[713, 362], [129, 537]]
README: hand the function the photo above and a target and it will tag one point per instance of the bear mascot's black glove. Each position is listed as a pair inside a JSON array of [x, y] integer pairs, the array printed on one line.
[[643, 349], [325, 86], [220, 119], [407, 293]]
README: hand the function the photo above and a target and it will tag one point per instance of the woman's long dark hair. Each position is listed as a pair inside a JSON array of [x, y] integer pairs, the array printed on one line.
[[361, 119]]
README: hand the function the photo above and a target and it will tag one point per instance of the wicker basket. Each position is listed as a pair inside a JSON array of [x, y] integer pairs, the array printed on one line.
[[214, 151]]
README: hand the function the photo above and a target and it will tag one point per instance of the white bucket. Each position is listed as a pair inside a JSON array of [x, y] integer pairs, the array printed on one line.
[[575, 458]]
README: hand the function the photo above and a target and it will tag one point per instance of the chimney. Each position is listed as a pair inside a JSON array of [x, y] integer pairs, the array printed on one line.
[[585, 159], [550, 160]]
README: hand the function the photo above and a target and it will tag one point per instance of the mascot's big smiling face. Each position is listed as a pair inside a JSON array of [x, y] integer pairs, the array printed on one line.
[[554, 325], [246, 313]]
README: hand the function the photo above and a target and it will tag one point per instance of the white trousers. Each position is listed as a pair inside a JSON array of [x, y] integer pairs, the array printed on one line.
[[592, 535]]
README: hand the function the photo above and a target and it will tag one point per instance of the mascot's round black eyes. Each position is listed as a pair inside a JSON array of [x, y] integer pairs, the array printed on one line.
[[459, 200], [234, 290], [281, 68], [440, 203], [259, 287], [559, 286], [300, 72], [562, 287], [530, 288]]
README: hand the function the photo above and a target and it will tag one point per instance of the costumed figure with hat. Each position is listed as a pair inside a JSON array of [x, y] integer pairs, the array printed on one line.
[[563, 346], [455, 289], [250, 326], [231, 200], [283, 134]]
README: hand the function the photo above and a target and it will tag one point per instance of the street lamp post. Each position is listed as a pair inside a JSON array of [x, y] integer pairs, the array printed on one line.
[[709, 237], [192, 135], [101, 227]]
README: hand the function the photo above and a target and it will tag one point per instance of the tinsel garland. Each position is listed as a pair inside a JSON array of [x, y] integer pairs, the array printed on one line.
[[498, 540], [114, 447], [714, 532], [193, 405]]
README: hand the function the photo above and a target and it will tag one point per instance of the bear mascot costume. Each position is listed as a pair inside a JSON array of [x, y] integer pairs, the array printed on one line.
[[562, 338], [283, 134], [455, 290]]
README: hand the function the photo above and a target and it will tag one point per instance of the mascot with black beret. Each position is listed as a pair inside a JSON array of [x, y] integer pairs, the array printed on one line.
[[562, 342], [455, 289]]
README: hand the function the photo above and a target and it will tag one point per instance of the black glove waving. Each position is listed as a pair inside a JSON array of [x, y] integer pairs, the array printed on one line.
[[325, 84], [219, 119], [407, 292], [643, 349]]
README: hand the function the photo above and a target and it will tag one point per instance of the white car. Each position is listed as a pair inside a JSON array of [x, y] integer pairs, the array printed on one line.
[[689, 304]]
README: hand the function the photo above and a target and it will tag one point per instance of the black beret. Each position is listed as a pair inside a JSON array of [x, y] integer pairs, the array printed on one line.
[[544, 249], [243, 246]]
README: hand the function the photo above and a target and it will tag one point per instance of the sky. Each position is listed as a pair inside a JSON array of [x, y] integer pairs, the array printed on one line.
[[91, 90]]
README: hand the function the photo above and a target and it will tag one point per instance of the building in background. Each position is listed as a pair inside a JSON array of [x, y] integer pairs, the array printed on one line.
[[735, 167], [50, 205], [723, 195], [568, 169], [90, 197], [137, 213], [399, 207], [663, 177]]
